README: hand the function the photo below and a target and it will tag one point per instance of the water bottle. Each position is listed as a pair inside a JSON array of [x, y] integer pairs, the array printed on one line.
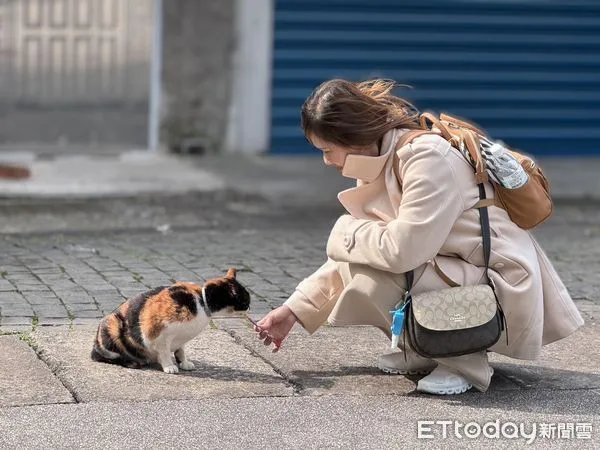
[[506, 168]]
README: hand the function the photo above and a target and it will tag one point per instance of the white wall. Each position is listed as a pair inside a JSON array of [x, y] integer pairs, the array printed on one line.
[[249, 127]]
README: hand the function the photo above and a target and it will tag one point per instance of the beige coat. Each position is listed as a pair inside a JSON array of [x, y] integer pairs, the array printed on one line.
[[429, 218]]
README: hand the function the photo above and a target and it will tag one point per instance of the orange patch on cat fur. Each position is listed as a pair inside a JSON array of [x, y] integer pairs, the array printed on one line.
[[114, 331], [99, 339], [159, 310], [154, 316], [124, 309], [113, 326]]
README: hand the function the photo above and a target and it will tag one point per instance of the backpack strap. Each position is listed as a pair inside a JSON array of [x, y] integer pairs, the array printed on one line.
[[471, 141], [484, 203], [459, 133], [409, 136], [426, 116]]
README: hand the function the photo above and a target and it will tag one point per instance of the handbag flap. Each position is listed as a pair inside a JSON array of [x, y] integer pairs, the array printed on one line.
[[455, 308]]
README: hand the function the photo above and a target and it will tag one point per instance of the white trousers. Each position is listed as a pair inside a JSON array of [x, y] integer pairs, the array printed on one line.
[[369, 294]]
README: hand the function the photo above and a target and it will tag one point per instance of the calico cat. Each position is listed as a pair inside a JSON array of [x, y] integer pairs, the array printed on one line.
[[151, 326]]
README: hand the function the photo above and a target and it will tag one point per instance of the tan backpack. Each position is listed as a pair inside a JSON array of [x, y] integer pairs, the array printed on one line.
[[527, 206]]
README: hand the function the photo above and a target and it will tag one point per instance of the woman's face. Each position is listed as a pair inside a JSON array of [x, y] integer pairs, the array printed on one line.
[[335, 155]]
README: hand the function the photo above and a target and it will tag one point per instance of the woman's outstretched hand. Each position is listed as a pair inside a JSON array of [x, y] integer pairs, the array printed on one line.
[[275, 326]]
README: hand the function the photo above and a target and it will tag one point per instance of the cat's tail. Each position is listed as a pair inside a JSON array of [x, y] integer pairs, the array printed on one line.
[[101, 355], [100, 351], [105, 356], [103, 350]]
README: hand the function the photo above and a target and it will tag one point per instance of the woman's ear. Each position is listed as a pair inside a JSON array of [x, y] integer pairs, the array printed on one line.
[[231, 273]]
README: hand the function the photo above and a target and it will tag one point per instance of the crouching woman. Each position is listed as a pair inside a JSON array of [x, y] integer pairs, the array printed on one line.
[[415, 212]]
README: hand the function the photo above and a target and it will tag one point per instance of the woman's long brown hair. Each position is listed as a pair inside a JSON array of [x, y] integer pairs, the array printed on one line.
[[356, 114]]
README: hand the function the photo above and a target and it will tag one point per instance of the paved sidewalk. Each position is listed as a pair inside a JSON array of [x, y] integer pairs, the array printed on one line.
[[317, 392], [340, 422], [64, 264]]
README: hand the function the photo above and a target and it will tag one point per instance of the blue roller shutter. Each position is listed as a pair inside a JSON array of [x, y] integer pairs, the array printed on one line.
[[527, 71]]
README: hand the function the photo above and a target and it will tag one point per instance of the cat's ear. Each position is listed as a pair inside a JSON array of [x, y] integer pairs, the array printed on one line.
[[231, 273]]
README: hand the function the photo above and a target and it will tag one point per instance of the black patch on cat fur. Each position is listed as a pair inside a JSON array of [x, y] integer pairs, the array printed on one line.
[[230, 293], [177, 358], [183, 298], [109, 345]]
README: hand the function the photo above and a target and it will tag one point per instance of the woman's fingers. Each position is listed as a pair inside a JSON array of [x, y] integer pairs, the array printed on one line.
[[257, 325], [263, 334]]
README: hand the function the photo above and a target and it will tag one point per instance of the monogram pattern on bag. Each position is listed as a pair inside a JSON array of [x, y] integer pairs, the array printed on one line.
[[455, 308], [444, 344]]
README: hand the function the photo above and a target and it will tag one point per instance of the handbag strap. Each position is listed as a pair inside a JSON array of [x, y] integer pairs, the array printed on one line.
[[484, 220]]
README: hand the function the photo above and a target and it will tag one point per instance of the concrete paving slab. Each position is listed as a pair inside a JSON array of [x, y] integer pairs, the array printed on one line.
[[345, 422], [129, 173], [24, 379], [335, 361], [223, 368], [572, 178], [571, 363]]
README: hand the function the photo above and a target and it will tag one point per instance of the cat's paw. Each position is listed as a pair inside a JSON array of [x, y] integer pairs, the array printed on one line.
[[187, 365], [171, 369]]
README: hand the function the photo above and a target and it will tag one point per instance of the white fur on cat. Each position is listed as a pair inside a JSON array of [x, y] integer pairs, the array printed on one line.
[[174, 337]]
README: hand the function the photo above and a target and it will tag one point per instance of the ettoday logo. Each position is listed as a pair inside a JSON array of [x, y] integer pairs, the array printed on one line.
[[444, 429]]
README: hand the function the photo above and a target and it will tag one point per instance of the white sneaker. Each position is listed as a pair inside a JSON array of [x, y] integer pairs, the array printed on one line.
[[413, 364], [443, 382]]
